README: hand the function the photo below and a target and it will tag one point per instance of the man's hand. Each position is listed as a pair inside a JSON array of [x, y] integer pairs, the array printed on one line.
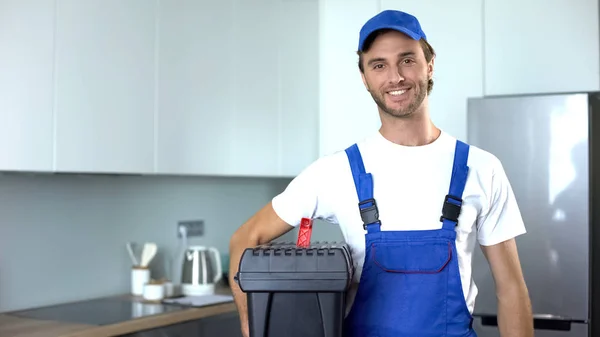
[[261, 228], [515, 318]]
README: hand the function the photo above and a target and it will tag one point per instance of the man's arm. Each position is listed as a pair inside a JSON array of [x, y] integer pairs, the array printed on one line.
[[514, 307], [261, 228]]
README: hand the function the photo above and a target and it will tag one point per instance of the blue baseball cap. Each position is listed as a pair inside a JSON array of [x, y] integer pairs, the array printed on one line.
[[392, 19]]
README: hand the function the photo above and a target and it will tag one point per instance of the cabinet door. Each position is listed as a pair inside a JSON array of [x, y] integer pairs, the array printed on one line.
[[255, 88], [237, 97], [458, 64], [196, 88], [26, 62], [539, 46], [346, 110], [105, 86], [299, 85]]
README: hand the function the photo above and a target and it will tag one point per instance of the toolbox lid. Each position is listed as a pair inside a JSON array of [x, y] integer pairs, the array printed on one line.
[[283, 266]]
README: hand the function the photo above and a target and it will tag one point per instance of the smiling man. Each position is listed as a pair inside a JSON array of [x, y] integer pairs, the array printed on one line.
[[411, 202], [414, 74]]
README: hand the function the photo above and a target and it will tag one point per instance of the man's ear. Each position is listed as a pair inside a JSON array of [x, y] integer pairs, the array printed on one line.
[[430, 67]]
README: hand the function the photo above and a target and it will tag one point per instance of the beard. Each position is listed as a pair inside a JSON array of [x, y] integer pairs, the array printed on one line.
[[417, 97]]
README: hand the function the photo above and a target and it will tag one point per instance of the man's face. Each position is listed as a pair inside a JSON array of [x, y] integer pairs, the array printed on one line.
[[396, 74]]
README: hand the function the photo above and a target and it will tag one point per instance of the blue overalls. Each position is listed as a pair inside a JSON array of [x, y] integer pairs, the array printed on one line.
[[410, 284]]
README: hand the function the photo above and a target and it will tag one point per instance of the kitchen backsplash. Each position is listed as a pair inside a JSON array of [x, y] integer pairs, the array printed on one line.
[[62, 237]]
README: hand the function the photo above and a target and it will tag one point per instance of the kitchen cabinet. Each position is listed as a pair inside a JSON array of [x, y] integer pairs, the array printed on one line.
[[299, 85], [237, 92], [195, 88], [540, 46], [105, 86], [255, 84], [458, 66], [26, 85], [275, 86]]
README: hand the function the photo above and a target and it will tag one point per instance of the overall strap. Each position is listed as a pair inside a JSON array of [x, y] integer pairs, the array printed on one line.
[[453, 201], [363, 182]]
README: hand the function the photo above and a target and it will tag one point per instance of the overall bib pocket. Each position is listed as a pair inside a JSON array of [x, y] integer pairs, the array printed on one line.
[[421, 257], [412, 277]]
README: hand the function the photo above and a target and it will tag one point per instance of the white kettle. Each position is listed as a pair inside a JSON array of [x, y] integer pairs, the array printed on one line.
[[201, 270]]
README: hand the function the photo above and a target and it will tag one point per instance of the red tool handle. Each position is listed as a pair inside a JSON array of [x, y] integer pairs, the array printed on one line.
[[304, 232]]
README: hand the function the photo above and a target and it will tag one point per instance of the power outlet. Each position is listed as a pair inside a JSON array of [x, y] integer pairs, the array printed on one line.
[[194, 227]]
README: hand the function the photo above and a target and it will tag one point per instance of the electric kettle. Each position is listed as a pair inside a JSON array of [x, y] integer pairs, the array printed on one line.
[[201, 270]]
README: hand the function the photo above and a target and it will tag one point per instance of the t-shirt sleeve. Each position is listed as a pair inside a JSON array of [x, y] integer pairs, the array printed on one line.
[[501, 220], [304, 195]]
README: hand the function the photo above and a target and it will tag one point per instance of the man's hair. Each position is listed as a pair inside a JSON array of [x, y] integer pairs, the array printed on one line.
[[427, 50]]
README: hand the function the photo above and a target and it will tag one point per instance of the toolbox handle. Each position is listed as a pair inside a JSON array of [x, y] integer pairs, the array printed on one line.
[[304, 233]]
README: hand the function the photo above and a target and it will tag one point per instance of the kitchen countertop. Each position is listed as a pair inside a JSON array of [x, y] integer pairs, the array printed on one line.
[[14, 325]]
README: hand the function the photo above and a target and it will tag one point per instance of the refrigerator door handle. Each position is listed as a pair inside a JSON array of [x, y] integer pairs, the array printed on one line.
[[540, 322]]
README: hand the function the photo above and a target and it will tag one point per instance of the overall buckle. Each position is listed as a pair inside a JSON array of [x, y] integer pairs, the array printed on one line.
[[369, 214], [451, 210]]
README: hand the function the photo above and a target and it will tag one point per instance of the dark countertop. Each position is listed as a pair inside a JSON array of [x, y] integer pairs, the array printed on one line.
[[102, 317]]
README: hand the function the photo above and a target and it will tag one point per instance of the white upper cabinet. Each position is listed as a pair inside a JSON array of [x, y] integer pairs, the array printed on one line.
[[454, 30], [298, 85], [196, 91], [105, 86], [540, 46], [275, 78], [255, 88], [237, 87], [26, 63]]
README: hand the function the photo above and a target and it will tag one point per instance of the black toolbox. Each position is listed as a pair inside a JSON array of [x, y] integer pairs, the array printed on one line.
[[294, 291]]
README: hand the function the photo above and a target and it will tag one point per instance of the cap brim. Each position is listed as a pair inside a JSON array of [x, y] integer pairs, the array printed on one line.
[[400, 29]]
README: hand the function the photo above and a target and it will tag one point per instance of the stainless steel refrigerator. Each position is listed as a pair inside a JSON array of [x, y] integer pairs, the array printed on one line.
[[549, 146]]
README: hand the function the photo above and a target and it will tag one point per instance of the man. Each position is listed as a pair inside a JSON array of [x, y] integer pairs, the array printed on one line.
[[425, 199]]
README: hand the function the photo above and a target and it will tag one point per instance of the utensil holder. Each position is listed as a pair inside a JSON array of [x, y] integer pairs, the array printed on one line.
[[140, 276]]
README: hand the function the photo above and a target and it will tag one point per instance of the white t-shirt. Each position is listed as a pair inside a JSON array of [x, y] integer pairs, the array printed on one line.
[[410, 184]]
